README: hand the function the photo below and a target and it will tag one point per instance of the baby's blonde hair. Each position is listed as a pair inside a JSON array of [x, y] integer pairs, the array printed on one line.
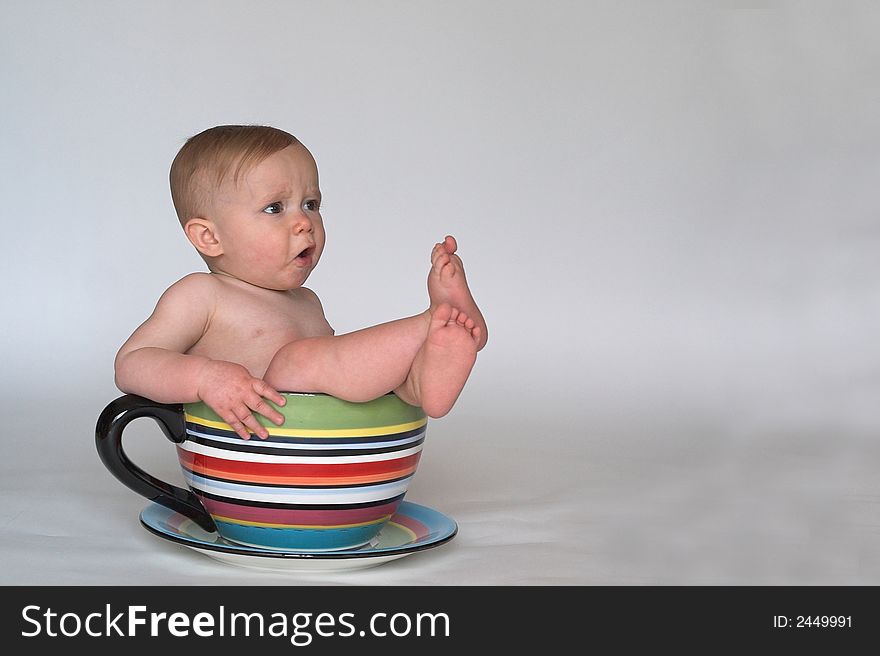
[[207, 159]]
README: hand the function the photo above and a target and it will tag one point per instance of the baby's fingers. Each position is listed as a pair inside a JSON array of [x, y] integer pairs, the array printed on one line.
[[267, 411], [265, 391], [254, 426], [239, 424]]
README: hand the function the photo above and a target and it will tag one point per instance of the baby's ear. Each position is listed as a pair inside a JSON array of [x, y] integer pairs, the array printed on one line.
[[203, 236]]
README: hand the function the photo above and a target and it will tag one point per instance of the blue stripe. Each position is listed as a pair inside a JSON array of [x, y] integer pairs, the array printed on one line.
[[200, 482], [299, 539]]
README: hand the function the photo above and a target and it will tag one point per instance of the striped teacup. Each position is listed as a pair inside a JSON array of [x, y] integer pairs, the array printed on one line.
[[329, 478]]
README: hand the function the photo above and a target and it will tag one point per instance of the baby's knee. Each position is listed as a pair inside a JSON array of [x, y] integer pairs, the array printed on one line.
[[291, 360]]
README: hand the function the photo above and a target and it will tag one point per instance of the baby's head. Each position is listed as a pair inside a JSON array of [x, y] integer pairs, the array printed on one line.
[[248, 199], [216, 157]]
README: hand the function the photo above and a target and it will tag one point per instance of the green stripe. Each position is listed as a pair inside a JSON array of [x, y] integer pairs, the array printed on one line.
[[321, 411]]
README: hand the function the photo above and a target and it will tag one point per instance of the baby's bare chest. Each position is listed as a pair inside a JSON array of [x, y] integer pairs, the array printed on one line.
[[250, 329]]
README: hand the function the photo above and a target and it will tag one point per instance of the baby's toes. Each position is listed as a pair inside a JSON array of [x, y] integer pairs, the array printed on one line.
[[449, 270], [442, 315], [440, 261]]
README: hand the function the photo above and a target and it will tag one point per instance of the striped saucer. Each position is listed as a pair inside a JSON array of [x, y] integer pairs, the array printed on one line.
[[413, 528]]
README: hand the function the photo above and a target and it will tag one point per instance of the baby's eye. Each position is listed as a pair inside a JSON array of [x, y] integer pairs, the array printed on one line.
[[274, 208], [312, 205]]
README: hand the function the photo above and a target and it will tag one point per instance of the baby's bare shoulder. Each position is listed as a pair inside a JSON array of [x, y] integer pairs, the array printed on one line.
[[200, 280], [197, 284], [308, 295], [194, 291]]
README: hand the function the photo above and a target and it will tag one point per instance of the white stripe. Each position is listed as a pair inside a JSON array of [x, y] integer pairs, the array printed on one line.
[[244, 456], [298, 495], [314, 446]]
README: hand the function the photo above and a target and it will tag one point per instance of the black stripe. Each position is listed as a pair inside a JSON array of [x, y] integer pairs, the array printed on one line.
[[268, 450], [298, 506], [281, 439], [288, 485]]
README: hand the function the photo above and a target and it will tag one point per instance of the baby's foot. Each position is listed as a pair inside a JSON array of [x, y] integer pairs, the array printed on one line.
[[447, 284], [446, 358]]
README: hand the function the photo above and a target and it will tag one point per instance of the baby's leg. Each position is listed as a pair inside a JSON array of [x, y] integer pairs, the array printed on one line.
[[447, 284], [358, 366], [443, 363]]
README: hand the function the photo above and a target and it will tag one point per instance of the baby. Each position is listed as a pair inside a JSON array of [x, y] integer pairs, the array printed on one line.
[[248, 200]]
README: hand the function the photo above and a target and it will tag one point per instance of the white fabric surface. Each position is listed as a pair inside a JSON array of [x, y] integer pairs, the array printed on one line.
[[538, 500]]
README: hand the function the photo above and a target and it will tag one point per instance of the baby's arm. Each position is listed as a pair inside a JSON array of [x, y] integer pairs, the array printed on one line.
[[154, 362]]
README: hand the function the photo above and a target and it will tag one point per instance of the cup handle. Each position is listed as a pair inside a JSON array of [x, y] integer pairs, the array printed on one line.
[[108, 439]]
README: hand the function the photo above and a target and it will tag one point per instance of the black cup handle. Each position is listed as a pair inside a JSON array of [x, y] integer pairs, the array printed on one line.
[[108, 439]]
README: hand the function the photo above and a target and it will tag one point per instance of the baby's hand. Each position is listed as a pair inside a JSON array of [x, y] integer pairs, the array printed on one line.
[[231, 392]]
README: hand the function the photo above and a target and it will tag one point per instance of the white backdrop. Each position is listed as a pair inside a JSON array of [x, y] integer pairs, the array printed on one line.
[[667, 211]]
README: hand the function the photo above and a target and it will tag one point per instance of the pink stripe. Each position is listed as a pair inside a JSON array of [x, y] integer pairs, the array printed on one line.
[[297, 516], [413, 525]]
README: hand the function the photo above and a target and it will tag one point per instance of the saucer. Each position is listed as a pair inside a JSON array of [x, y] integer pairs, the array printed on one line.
[[412, 528]]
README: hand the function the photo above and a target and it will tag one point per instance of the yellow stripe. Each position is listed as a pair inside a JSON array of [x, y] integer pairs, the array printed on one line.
[[304, 432], [412, 534], [244, 522]]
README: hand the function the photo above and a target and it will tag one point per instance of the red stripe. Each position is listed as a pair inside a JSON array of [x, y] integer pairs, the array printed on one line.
[[302, 517], [305, 473]]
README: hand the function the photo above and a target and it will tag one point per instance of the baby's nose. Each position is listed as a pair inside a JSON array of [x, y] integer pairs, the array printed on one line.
[[302, 224]]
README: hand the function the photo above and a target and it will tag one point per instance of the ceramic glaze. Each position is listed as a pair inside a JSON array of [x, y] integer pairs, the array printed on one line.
[[412, 529], [329, 478]]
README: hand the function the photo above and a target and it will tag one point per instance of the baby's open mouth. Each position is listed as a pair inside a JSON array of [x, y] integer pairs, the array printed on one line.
[[305, 254]]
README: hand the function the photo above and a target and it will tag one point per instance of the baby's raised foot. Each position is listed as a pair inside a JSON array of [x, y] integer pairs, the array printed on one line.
[[447, 284], [446, 358]]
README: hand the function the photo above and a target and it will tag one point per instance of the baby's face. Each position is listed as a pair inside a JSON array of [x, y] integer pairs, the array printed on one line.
[[270, 225]]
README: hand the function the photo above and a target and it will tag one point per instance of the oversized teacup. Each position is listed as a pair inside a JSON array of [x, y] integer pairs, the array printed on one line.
[[329, 478]]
